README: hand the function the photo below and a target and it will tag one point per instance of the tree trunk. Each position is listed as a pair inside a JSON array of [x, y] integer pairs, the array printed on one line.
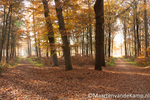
[[3, 53], [146, 27], [138, 40], [50, 33], [90, 28], [36, 47], [47, 51], [106, 47], [135, 22], [3, 35], [134, 34], [129, 44], [13, 41], [87, 40], [83, 52], [112, 45], [29, 46], [35, 38], [99, 37], [18, 51], [91, 44], [134, 41], [125, 33], [8, 36], [4, 31], [109, 39], [39, 49], [66, 48]]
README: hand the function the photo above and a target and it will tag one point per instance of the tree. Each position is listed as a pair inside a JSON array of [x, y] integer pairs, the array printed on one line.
[[66, 48], [50, 33], [10, 31], [8, 35], [146, 27], [99, 37], [4, 31]]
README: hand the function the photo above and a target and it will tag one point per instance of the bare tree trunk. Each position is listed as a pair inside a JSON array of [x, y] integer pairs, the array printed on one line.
[[83, 52], [14, 51], [112, 45], [138, 40], [132, 43], [39, 49], [134, 21], [90, 28], [18, 51], [129, 44], [135, 33], [87, 40], [3, 53], [125, 33], [106, 46], [13, 37], [135, 41], [77, 48], [109, 39], [28, 47], [47, 50], [4, 31], [36, 47], [50, 33], [99, 38], [35, 38], [146, 27], [91, 43], [3, 35], [66, 48], [8, 36]]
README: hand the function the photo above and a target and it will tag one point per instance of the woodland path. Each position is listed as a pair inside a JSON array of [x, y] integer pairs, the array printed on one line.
[[28, 82]]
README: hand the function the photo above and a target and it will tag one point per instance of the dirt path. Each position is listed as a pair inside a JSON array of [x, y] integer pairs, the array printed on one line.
[[137, 78], [28, 82]]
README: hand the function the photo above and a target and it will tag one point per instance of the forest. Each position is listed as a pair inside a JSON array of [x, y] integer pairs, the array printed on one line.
[[74, 49]]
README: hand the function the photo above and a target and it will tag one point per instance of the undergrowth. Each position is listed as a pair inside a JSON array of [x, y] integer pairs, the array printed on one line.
[[11, 63], [14, 62], [129, 60], [39, 64], [1, 69], [110, 61], [140, 61], [77, 60]]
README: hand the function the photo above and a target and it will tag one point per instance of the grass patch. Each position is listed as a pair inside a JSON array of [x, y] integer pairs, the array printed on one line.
[[35, 62], [139, 62], [148, 62], [111, 62], [19, 59], [1, 69], [11, 63], [14, 62], [132, 62]]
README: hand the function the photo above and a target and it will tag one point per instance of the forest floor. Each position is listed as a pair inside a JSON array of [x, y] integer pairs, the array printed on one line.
[[28, 82]]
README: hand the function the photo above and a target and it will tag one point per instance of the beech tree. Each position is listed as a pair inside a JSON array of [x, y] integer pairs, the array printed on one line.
[[50, 33], [4, 30], [145, 27], [10, 24], [66, 48], [99, 37]]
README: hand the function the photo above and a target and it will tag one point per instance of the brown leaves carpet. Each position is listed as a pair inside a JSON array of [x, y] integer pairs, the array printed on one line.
[[28, 82]]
